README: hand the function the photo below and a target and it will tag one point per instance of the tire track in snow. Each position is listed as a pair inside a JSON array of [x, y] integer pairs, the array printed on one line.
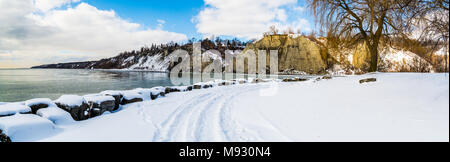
[[207, 117]]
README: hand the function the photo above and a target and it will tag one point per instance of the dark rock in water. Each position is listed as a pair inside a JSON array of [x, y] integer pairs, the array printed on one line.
[[206, 86], [189, 88], [75, 105], [4, 137], [368, 80]]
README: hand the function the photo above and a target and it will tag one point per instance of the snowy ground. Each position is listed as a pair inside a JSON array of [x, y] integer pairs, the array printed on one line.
[[398, 107]]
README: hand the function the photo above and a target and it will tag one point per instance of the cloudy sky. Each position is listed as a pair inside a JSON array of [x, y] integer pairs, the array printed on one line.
[[34, 32]]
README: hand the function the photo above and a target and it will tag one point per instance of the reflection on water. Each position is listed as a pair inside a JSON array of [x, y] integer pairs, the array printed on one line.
[[24, 84]]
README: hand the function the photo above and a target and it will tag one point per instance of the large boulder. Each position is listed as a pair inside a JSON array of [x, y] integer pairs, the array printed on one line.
[[131, 97], [10, 109], [98, 104], [56, 115], [75, 105], [117, 98], [300, 53], [26, 127], [39, 103]]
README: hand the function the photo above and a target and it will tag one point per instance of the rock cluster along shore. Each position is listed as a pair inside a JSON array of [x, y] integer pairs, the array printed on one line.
[[31, 113]]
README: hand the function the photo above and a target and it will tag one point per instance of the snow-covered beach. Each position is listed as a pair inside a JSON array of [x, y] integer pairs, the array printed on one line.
[[398, 107]]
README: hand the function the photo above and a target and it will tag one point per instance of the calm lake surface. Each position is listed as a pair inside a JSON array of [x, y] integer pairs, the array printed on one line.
[[23, 84]]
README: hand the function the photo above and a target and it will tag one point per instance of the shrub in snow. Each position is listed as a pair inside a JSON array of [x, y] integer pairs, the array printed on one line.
[[39, 103], [56, 115], [98, 104], [117, 97], [25, 127], [13, 108], [75, 105], [4, 137], [131, 97]]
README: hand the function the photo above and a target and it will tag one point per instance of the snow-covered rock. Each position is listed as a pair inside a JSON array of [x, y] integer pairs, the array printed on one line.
[[144, 92], [98, 104], [131, 97], [13, 108], [179, 88], [56, 115], [75, 105], [39, 103], [24, 127], [117, 97], [157, 92]]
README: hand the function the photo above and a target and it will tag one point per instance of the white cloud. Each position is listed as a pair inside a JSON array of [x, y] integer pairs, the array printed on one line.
[[46, 5], [35, 34], [161, 23], [247, 18]]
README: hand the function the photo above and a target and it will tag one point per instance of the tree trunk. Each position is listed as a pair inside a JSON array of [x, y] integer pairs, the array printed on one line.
[[373, 51]]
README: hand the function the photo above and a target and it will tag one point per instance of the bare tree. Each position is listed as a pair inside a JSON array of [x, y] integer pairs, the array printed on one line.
[[367, 21], [432, 18]]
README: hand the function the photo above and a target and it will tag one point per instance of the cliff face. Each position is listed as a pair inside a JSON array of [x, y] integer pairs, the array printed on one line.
[[300, 54]]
